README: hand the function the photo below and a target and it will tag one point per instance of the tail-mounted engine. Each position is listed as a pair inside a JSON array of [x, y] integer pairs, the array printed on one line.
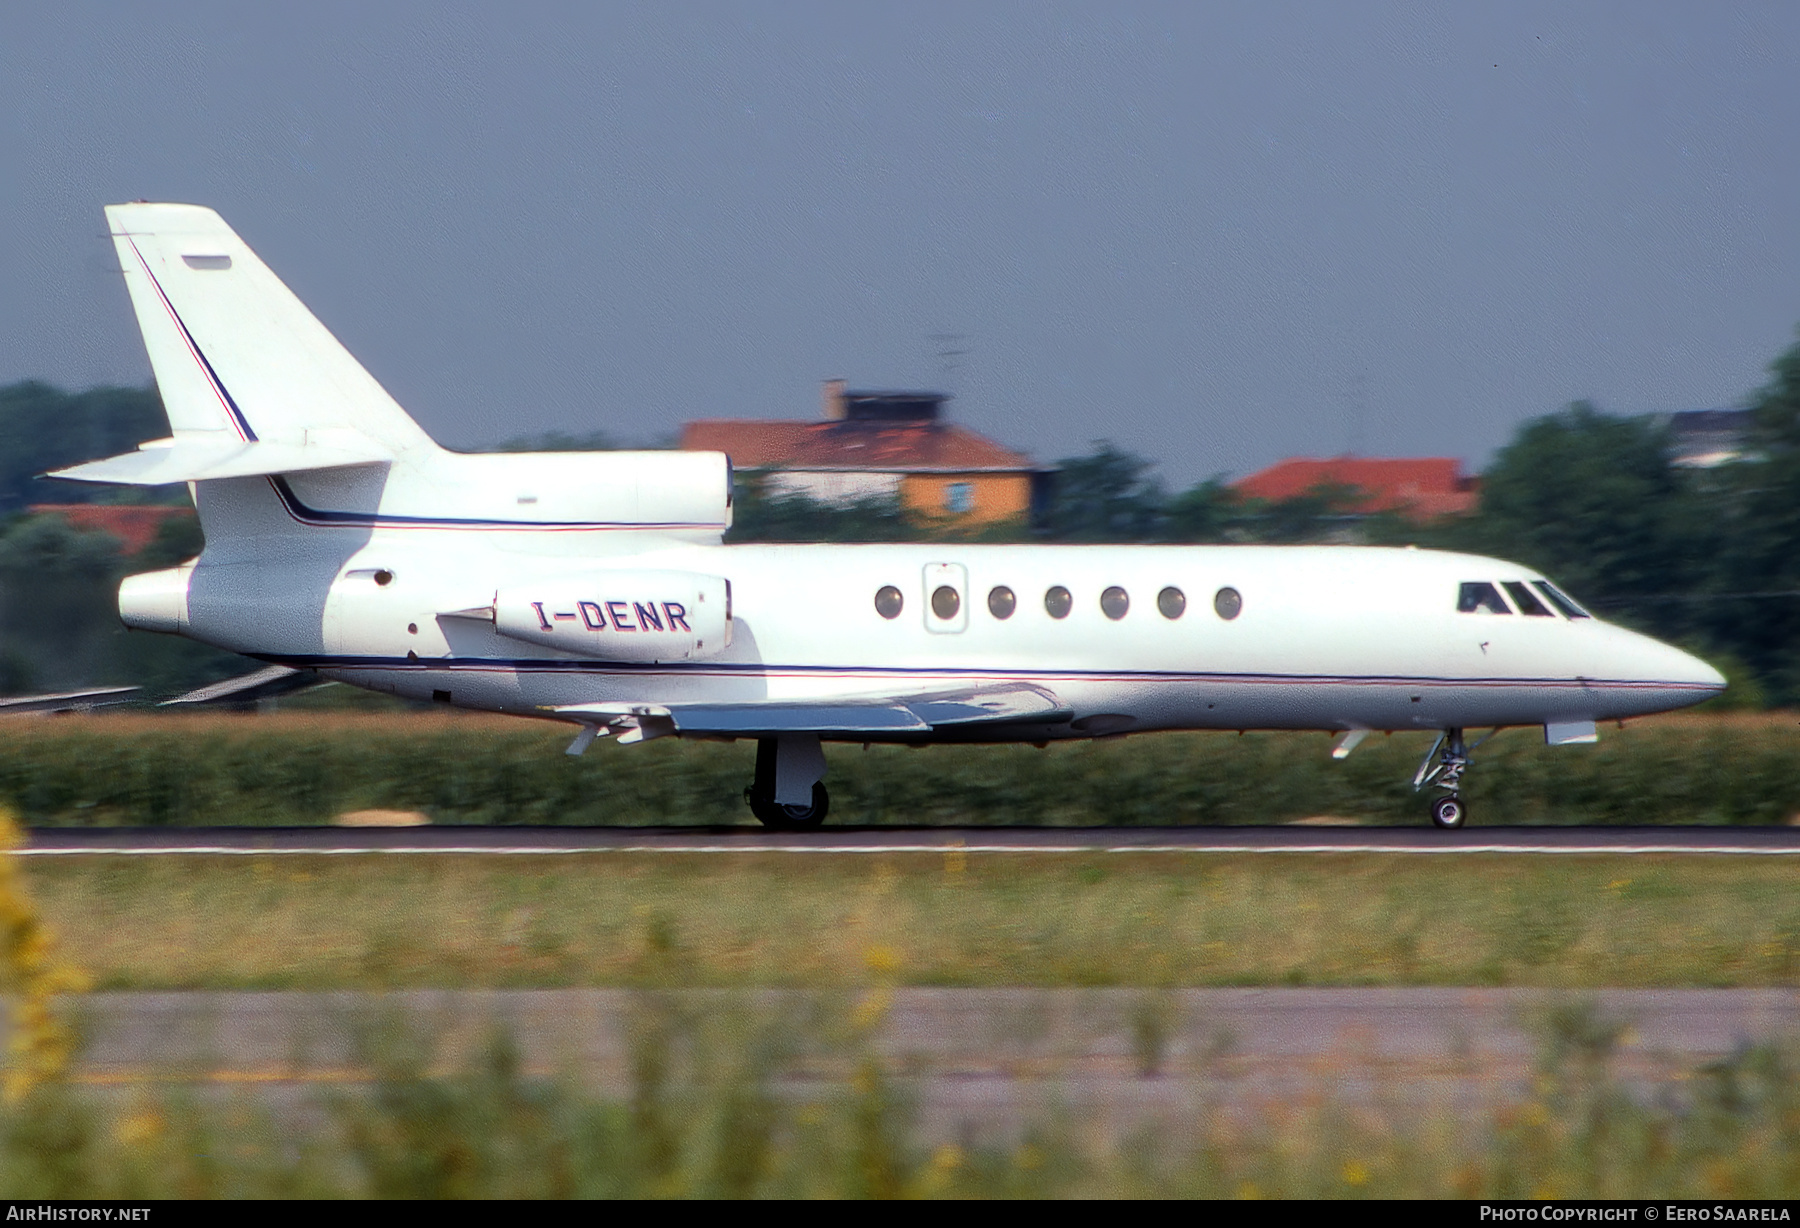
[[621, 615]]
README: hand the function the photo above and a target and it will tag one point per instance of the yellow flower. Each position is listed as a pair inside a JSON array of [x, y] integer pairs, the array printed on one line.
[[138, 1129], [871, 1009]]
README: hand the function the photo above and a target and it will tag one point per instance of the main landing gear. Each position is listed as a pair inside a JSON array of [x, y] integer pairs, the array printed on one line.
[[788, 792], [1443, 768]]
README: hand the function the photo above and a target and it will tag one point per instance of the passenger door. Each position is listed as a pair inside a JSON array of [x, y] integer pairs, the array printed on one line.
[[946, 598]]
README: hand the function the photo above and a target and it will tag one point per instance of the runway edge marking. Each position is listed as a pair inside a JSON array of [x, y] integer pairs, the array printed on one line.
[[842, 849]]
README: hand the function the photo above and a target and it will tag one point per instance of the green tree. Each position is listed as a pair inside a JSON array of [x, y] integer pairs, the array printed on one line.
[[759, 516], [1105, 496], [1208, 511], [59, 618], [1593, 501], [1758, 560], [44, 428], [561, 441], [1325, 513]]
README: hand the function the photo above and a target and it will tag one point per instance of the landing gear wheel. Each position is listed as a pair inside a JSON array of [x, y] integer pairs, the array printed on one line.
[[774, 814], [1449, 812]]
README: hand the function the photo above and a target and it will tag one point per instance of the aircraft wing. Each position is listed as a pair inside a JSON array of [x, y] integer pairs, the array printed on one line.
[[66, 701], [248, 688], [919, 713]]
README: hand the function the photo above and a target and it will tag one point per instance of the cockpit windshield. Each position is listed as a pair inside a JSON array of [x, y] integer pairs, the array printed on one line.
[[1560, 599], [1525, 600], [1480, 597]]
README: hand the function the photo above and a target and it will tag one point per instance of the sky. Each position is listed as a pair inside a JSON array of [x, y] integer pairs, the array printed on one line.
[[1216, 235]]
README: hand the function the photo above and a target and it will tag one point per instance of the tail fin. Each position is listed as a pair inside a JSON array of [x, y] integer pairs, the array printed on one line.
[[238, 359]]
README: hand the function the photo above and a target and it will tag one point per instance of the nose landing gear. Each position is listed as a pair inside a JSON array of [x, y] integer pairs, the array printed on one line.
[[1448, 812], [1443, 768]]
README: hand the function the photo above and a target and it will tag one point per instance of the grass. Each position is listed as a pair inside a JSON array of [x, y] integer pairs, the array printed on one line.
[[744, 920], [301, 768]]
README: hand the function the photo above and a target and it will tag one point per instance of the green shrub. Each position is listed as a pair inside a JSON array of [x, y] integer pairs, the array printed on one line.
[[304, 768]]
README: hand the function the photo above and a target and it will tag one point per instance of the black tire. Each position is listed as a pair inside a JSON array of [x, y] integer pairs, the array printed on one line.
[[1449, 813], [771, 813]]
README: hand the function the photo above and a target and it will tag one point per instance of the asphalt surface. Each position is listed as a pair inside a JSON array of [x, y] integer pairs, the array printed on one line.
[[125, 841], [972, 1060]]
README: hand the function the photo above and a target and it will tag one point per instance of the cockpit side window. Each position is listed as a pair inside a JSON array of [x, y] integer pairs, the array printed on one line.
[[1523, 598], [1560, 599], [1480, 597]]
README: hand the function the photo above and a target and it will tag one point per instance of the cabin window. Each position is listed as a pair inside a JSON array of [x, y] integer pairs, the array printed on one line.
[[1228, 603], [1527, 603], [959, 497], [1171, 602], [1001, 602], [1560, 599], [1058, 602], [1114, 603], [945, 602], [889, 602], [1480, 597]]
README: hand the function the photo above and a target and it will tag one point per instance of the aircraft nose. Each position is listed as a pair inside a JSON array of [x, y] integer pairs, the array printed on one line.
[[1701, 673], [1663, 677], [1671, 664]]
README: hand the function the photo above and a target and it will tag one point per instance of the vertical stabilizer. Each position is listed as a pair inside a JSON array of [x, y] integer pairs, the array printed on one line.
[[237, 357]]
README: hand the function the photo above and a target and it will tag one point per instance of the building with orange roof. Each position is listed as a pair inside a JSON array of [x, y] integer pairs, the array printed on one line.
[[135, 525], [886, 445], [1420, 488]]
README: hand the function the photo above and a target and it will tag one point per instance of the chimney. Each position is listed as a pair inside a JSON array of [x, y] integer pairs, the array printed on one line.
[[832, 400]]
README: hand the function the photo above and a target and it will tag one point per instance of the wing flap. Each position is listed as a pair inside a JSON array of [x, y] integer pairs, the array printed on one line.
[[1021, 703], [899, 714], [754, 718]]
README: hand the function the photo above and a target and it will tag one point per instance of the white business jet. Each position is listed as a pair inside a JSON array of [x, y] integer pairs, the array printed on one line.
[[593, 588]]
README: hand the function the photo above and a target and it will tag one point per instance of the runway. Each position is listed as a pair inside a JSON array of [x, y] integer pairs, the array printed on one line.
[[564, 841]]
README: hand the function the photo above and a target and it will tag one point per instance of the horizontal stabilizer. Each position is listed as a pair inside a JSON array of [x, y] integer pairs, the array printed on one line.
[[905, 714], [66, 701], [248, 688], [188, 459]]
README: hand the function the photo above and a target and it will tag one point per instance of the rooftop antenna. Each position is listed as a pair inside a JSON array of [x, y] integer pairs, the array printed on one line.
[[951, 349], [1356, 413]]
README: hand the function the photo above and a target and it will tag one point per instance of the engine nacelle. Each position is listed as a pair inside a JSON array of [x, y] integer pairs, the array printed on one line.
[[621, 615], [156, 600]]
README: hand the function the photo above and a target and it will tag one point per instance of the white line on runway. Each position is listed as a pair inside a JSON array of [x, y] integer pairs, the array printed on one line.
[[1715, 850]]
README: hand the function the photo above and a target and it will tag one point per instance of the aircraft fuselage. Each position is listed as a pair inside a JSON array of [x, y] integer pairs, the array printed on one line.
[[1318, 637]]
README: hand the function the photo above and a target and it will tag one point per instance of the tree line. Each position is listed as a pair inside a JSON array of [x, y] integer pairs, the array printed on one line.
[[1705, 557]]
